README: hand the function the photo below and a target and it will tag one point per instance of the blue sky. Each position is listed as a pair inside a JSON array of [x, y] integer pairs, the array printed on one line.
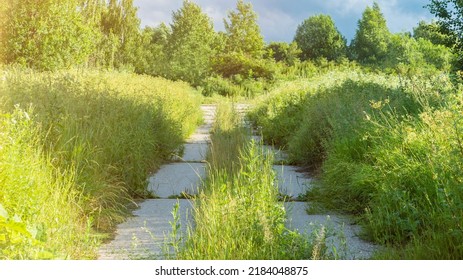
[[278, 19]]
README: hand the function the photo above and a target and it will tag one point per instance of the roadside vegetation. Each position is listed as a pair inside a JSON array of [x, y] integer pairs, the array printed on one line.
[[238, 215], [383, 137], [90, 103], [76, 149]]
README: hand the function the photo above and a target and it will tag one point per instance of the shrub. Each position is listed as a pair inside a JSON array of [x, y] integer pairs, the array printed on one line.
[[229, 65], [221, 86], [417, 198]]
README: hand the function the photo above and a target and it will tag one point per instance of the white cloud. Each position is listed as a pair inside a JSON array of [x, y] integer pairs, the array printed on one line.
[[279, 18], [347, 7], [275, 23]]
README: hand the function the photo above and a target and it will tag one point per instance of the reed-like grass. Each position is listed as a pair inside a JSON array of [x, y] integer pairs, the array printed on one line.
[[387, 148], [238, 215], [77, 147]]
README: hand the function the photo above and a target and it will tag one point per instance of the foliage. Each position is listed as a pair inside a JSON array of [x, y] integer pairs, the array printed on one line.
[[75, 160], [417, 182], [318, 37], [41, 217], [450, 21], [283, 52], [3, 22], [449, 15], [242, 32], [221, 86], [120, 34], [237, 215], [190, 46], [151, 60], [433, 33], [229, 65], [417, 55], [372, 37], [388, 149], [47, 35]]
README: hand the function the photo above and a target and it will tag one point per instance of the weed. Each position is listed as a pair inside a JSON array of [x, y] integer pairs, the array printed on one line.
[[77, 146]]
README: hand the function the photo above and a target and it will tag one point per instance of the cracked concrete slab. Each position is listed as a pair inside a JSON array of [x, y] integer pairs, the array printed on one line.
[[173, 179], [291, 182], [193, 152], [146, 235], [340, 231]]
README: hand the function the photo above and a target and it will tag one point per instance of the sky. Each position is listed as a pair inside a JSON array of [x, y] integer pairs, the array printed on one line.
[[278, 19]]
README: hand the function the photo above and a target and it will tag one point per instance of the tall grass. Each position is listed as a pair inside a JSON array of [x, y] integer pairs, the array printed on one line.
[[388, 148], [238, 215], [417, 184], [34, 195], [89, 141]]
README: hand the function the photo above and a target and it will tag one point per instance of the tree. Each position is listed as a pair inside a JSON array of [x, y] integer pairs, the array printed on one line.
[[151, 59], [372, 37], [416, 54], [120, 29], [47, 34], [283, 52], [190, 46], [243, 32], [450, 18], [318, 37], [432, 32]]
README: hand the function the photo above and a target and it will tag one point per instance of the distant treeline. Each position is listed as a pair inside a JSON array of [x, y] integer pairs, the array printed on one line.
[[57, 34]]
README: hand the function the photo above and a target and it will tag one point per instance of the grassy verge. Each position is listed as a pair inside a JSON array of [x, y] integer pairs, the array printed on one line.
[[76, 147], [238, 215], [386, 147]]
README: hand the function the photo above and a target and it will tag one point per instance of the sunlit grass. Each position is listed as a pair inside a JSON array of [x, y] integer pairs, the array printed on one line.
[[237, 214], [386, 147], [77, 147]]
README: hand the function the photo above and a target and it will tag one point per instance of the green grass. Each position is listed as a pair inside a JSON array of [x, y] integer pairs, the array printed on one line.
[[77, 147], [386, 147], [238, 215]]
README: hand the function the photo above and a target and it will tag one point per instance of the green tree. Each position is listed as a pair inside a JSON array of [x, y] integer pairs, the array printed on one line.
[[432, 32], [372, 37], [318, 37], [450, 18], [283, 52], [243, 32], [417, 54], [121, 35], [151, 59], [190, 46], [47, 34]]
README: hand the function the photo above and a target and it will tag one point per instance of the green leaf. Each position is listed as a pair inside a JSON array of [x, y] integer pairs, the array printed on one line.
[[3, 212]]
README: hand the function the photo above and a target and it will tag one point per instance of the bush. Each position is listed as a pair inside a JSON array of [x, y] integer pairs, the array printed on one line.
[[221, 86], [229, 65], [418, 198], [417, 55]]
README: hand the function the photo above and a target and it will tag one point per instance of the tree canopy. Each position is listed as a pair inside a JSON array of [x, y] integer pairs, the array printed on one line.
[[372, 37], [242, 31], [450, 17], [47, 34], [190, 46], [432, 32], [318, 37]]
